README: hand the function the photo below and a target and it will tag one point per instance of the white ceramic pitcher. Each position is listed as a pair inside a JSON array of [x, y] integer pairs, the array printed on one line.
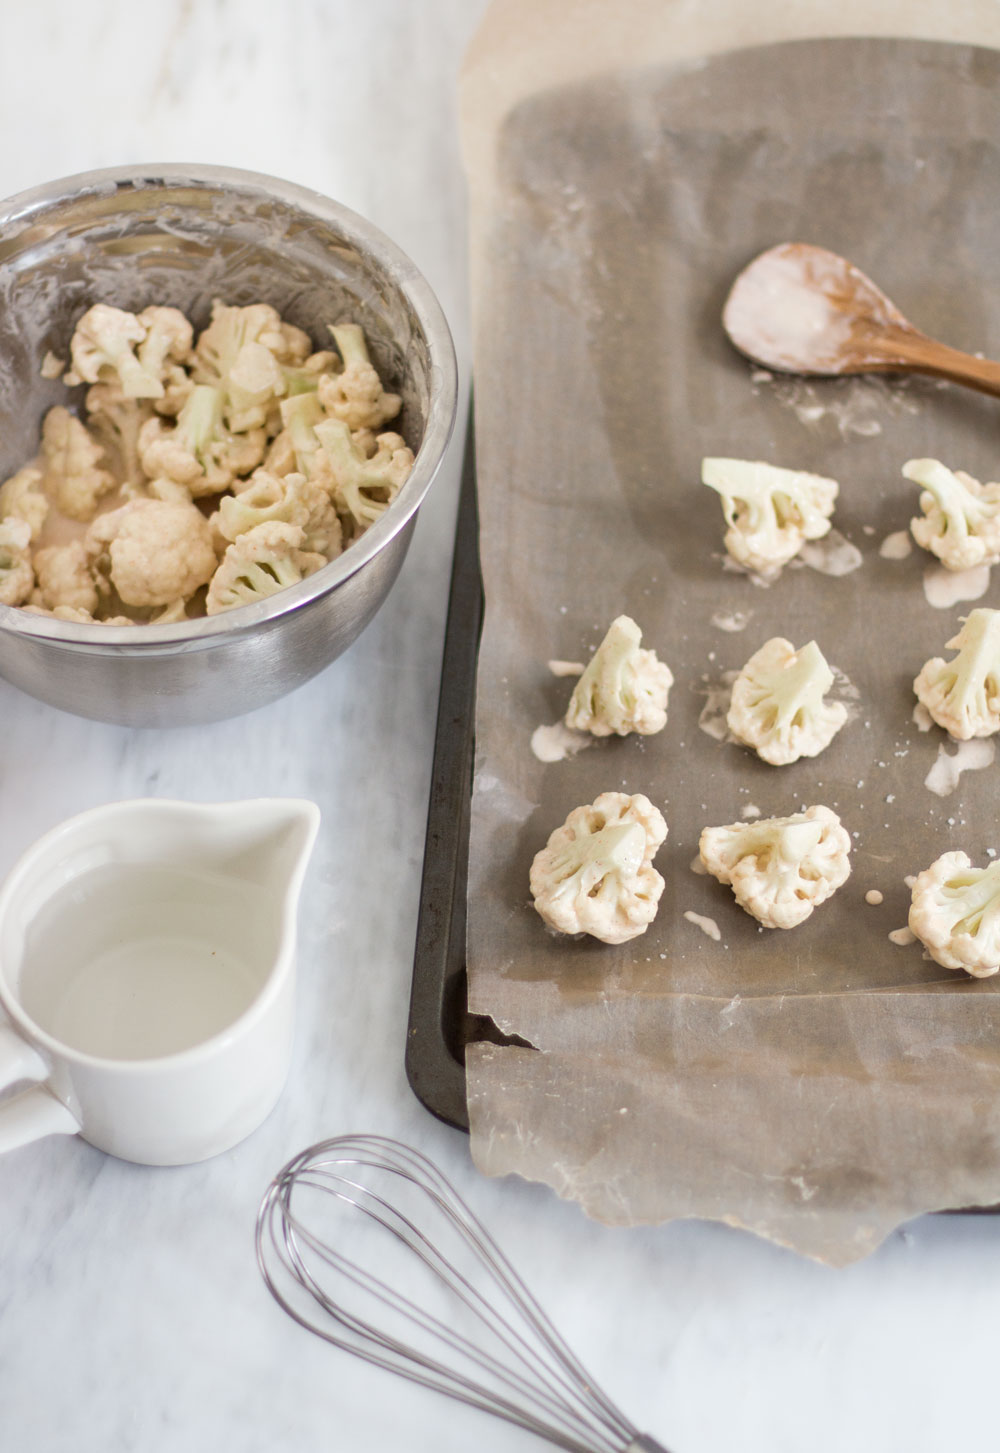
[[147, 968]]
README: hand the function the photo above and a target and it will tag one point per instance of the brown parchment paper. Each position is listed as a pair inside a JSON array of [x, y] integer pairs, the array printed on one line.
[[817, 1086]]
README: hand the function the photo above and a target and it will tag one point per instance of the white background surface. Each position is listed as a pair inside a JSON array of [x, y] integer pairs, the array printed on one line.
[[131, 1312]]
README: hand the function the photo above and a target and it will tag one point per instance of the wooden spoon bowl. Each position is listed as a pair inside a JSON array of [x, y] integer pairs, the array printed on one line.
[[802, 309]]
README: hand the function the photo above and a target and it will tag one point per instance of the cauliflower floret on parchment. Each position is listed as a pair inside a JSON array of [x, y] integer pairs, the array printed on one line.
[[265, 559], [770, 512], [152, 552], [960, 523], [778, 704], [75, 478], [623, 688], [780, 868], [23, 498], [595, 874], [955, 913], [963, 695], [17, 577]]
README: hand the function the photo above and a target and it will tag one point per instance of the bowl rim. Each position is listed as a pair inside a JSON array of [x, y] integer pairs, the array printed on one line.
[[24, 209]]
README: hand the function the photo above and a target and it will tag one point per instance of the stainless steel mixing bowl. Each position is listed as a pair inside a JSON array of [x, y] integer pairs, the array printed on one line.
[[183, 235]]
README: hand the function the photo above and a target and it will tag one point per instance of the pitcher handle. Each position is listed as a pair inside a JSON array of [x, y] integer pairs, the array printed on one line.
[[35, 1112]]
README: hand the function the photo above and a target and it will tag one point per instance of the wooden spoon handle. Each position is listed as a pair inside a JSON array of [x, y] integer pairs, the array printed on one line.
[[914, 351]]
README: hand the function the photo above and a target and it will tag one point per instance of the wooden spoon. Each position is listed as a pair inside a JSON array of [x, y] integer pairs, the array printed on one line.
[[801, 309]]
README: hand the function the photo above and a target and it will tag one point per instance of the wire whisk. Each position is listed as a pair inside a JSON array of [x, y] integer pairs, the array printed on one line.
[[480, 1337]]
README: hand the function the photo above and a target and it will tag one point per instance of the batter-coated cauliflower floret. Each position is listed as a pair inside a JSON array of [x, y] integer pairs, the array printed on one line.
[[64, 578], [103, 351], [17, 578], [198, 451], [777, 703], [292, 499], [299, 416], [595, 874], [623, 689], [22, 498], [961, 519], [229, 356], [167, 343], [74, 479], [363, 488], [116, 423], [963, 695], [266, 559], [153, 551], [780, 868], [955, 913], [771, 512], [356, 394]]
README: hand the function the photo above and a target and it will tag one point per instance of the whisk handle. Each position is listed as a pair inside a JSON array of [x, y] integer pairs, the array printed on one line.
[[644, 1444]]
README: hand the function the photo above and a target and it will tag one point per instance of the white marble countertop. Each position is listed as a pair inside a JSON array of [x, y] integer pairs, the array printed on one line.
[[131, 1312]]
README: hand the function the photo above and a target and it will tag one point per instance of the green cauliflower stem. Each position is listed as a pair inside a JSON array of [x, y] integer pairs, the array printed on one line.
[[623, 688], [961, 519], [778, 705], [955, 913], [963, 695], [770, 512], [780, 868], [116, 423]]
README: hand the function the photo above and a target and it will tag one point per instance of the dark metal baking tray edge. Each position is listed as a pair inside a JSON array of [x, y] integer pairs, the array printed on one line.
[[439, 1024]]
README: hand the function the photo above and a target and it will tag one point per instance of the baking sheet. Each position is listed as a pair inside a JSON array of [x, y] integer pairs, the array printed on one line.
[[822, 1085]]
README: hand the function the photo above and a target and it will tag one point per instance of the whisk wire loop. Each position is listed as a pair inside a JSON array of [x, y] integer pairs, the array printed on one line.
[[525, 1374]]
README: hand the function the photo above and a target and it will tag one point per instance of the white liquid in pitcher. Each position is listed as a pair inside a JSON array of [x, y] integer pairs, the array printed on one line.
[[134, 962]]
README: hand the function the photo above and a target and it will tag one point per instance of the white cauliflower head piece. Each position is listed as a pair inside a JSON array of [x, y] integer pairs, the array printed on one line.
[[22, 497], [595, 874], [960, 523], [17, 577], [623, 688], [770, 512], [154, 552], [265, 559], [362, 488], [356, 394], [963, 695], [778, 704], [955, 913], [780, 868], [103, 349], [293, 499], [65, 578], [75, 478], [198, 451]]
